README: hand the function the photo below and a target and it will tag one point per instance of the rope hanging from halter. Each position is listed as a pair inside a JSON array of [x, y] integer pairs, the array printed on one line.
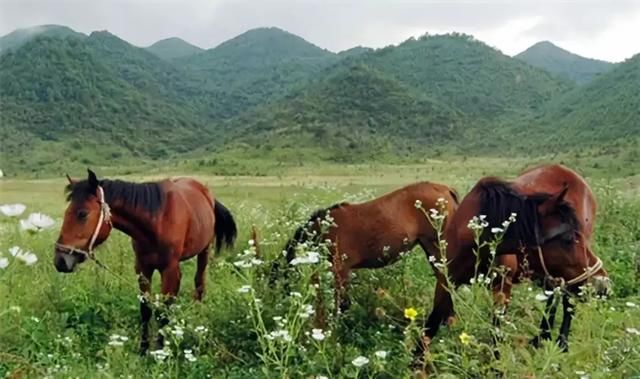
[[588, 272], [105, 218]]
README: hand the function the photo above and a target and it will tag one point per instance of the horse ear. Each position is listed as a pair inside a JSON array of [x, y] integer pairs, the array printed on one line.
[[92, 179], [71, 181], [548, 205]]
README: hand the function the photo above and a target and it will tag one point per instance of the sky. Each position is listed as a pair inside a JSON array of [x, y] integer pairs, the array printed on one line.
[[608, 30]]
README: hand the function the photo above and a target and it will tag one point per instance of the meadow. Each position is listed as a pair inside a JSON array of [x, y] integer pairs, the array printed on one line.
[[85, 324]]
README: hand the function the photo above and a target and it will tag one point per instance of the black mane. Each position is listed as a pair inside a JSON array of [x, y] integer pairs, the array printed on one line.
[[145, 196], [498, 200]]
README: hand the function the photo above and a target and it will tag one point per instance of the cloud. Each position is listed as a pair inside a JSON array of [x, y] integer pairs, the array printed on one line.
[[601, 29]]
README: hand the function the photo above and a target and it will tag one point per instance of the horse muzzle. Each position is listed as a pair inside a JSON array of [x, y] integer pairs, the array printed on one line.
[[66, 262]]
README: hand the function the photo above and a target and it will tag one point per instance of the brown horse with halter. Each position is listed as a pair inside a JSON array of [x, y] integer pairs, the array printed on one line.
[[375, 233], [550, 241], [168, 221]]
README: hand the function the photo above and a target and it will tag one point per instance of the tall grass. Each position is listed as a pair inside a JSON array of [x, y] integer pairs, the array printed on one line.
[[86, 324]]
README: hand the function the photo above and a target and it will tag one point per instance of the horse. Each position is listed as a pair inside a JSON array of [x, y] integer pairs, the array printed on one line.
[[168, 221], [375, 233], [549, 241]]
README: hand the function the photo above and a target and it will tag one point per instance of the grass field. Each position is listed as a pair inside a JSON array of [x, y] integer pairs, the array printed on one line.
[[67, 326]]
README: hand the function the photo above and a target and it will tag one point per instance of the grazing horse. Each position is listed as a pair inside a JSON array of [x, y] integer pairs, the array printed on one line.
[[550, 241], [375, 233], [168, 221]]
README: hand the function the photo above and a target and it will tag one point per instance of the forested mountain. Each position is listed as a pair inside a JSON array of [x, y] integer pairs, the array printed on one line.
[[19, 37], [563, 63], [68, 96], [272, 95], [258, 66], [606, 110], [467, 74], [172, 48], [347, 113]]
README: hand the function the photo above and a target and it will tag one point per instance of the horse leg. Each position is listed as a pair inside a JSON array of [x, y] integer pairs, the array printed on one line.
[[442, 308], [170, 286], [144, 283], [548, 319], [203, 259], [568, 313]]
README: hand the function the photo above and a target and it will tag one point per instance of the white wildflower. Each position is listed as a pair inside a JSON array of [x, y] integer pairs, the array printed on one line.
[[245, 289], [360, 361], [381, 354], [418, 204], [633, 331], [40, 220], [12, 210], [630, 304], [497, 230], [160, 355], [201, 329], [310, 258], [317, 334], [541, 297], [188, 354], [296, 294], [4, 262]]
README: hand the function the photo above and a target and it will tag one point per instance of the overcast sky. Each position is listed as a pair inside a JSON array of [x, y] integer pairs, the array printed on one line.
[[608, 30]]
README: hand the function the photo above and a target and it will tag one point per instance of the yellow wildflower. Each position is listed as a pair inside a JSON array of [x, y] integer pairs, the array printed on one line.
[[410, 313], [465, 339]]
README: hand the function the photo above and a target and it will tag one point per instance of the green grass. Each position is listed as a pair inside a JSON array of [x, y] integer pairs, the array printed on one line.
[[64, 322]]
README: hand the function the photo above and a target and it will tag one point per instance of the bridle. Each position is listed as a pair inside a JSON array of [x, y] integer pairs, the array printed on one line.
[[589, 271], [105, 218]]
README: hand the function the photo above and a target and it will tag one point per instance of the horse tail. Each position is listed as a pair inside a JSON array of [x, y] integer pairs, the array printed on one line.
[[225, 228]]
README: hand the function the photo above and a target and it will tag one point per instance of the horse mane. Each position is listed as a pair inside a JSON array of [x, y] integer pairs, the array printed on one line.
[[498, 199], [145, 196]]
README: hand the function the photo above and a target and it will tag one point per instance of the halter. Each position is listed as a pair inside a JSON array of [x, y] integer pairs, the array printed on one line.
[[105, 218], [589, 271]]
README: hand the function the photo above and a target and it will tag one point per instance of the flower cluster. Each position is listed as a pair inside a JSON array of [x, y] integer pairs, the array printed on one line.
[[478, 223], [248, 257], [311, 257], [36, 222], [27, 257], [117, 340], [161, 355]]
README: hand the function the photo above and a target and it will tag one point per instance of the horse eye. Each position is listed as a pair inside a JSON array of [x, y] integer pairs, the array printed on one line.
[[82, 214]]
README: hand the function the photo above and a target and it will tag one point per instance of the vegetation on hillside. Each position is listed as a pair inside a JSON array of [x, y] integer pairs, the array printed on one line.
[[269, 94], [173, 48], [19, 37], [563, 63]]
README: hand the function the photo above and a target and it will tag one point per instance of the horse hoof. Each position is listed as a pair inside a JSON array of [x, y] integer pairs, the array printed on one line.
[[420, 374], [451, 321], [563, 344]]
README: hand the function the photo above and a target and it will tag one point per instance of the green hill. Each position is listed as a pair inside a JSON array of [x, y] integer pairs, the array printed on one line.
[[173, 48], [563, 63], [466, 74], [62, 103], [258, 66], [354, 113], [599, 113], [19, 37]]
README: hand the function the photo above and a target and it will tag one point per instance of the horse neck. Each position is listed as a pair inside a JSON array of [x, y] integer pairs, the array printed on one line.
[[132, 222]]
